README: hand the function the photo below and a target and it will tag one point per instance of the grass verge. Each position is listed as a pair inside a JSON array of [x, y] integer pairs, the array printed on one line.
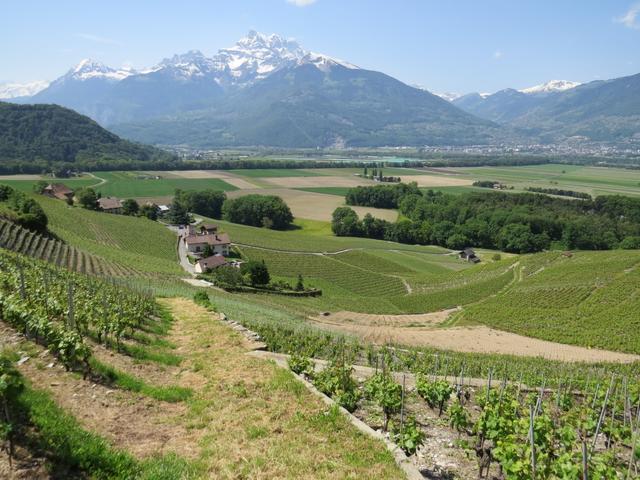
[[171, 394]]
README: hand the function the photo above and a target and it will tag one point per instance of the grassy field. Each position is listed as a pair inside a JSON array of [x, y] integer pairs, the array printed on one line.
[[128, 185], [279, 172], [340, 191], [592, 180]]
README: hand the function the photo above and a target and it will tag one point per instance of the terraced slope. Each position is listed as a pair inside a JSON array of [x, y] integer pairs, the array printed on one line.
[[589, 298], [20, 240], [141, 244]]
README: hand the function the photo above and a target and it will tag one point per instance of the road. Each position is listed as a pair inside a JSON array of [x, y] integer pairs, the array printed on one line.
[[182, 250]]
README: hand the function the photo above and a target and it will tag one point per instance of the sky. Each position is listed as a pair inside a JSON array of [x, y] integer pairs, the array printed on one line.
[[445, 46]]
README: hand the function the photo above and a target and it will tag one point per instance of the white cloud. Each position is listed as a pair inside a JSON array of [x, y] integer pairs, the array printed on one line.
[[97, 39], [301, 3], [498, 54], [630, 19]]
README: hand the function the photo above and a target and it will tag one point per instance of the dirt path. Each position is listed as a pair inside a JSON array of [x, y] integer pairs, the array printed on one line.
[[478, 339], [259, 422]]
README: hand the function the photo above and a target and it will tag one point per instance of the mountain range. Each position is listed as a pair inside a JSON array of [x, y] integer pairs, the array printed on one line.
[[268, 90]]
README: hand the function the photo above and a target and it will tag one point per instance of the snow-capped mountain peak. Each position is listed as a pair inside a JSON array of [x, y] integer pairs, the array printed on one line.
[[88, 69], [324, 62], [551, 86], [186, 65], [255, 56], [14, 90]]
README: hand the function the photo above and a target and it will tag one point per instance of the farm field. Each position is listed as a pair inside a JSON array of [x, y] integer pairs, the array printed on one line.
[[314, 206], [127, 185], [592, 180]]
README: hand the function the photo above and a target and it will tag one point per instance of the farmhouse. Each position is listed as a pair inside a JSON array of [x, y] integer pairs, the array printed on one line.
[[469, 255], [110, 204], [219, 243], [205, 264], [59, 191]]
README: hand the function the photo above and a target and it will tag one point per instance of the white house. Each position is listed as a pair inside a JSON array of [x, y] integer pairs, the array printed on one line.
[[219, 243]]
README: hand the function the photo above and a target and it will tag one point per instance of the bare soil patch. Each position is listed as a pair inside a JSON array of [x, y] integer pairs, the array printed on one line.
[[374, 320], [323, 181], [314, 206], [476, 339], [438, 181], [20, 177]]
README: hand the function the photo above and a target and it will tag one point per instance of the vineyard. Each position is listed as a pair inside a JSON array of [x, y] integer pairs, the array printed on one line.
[[589, 298], [495, 428], [141, 244], [303, 241], [34, 245], [70, 313], [378, 281]]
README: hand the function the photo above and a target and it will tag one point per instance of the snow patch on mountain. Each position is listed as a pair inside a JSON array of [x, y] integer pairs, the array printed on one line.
[[13, 90], [551, 86], [88, 69], [448, 96]]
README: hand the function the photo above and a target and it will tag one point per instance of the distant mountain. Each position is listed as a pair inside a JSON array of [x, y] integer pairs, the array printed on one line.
[[320, 101], [179, 84], [264, 90], [268, 90], [600, 111], [49, 133], [15, 90], [551, 86]]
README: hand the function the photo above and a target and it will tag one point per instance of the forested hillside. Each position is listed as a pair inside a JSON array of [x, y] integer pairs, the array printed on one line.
[[37, 136]]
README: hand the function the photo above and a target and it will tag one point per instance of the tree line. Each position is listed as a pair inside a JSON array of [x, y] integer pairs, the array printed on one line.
[[518, 223], [561, 192]]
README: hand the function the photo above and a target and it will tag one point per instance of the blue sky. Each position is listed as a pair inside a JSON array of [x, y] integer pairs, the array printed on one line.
[[457, 46]]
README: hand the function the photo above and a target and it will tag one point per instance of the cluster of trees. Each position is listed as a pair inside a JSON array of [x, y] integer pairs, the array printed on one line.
[[490, 184], [376, 174], [380, 196], [258, 211], [204, 202], [88, 198], [561, 192], [518, 223], [18, 208]]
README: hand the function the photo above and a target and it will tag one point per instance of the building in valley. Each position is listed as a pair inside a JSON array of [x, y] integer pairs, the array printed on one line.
[[110, 204], [219, 243], [207, 264]]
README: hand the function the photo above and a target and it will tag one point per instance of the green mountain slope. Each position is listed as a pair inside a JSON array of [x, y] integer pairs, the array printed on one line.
[[49, 133]]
